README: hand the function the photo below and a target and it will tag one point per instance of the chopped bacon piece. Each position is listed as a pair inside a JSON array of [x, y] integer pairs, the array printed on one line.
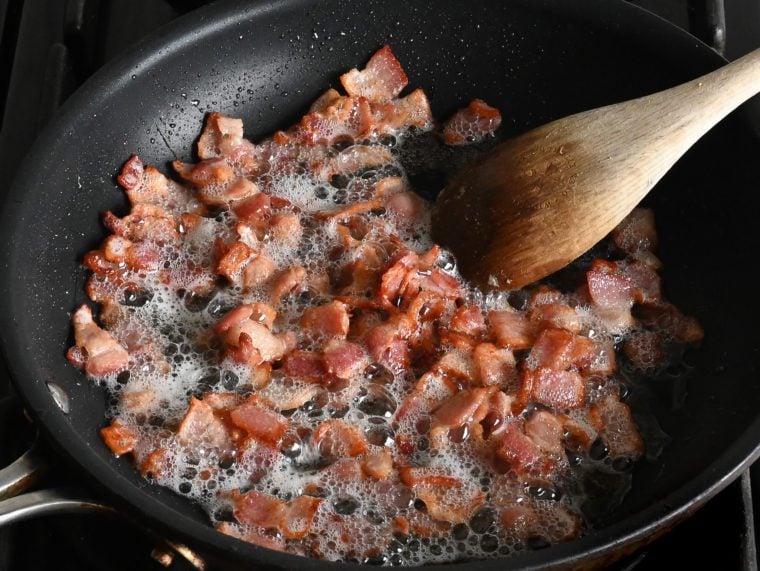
[[244, 325], [258, 271], [402, 113], [154, 225], [304, 364], [200, 427], [494, 366], [400, 282], [220, 136], [595, 357], [441, 283], [616, 426], [497, 409], [645, 280], [456, 363], [287, 396], [553, 349], [430, 392], [285, 229], [545, 429], [95, 350], [324, 101], [216, 181], [378, 464], [254, 210], [447, 498], [156, 464], [232, 263], [329, 320], [338, 439], [346, 118], [556, 315], [120, 438], [137, 400], [511, 329], [469, 320], [356, 158], [381, 338], [520, 452], [288, 281], [344, 359], [131, 174], [636, 232], [382, 78], [524, 522], [471, 124], [298, 516], [557, 389], [257, 509], [209, 172], [264, 425], [144, 184], [666, 317], [608, 288], [460, 409]]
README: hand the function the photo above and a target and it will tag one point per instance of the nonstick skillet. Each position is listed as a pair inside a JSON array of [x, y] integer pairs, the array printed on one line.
[[265, 62]]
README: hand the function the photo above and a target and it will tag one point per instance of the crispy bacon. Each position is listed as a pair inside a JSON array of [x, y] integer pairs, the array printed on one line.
[[344, 359], [557, 389], [616, 426], [290, 280], [469, 320], [520, 452], [262, 424], [220, 136], [471, 124], [293, 519], [120, 438], [347, 118], [95, 351], [378, 464], [402, 113], [608, 288], [245, 327], [447, 498], [329, 320], [233, 262], [200, 427], [512, 329], [382, 78], [494, 366], [337, 439]]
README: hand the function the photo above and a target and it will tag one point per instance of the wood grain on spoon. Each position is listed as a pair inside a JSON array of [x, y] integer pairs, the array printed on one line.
[[539, 201]]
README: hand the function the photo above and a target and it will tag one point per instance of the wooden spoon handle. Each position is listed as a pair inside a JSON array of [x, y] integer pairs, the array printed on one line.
[[678, 117]]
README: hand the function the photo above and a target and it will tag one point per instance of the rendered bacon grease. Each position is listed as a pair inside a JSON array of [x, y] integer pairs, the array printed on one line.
[[284, 344]]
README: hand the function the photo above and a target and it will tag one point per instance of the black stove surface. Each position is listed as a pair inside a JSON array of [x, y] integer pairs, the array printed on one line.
[[49, 48]]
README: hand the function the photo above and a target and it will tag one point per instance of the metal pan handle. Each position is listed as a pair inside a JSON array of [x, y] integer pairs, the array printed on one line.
[[24, 473], [18, 504]]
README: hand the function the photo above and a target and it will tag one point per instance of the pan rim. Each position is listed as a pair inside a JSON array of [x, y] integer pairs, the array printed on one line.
[[206, 22]]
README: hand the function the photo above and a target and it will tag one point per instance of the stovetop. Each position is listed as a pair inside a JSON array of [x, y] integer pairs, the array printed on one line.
[[49, 48]]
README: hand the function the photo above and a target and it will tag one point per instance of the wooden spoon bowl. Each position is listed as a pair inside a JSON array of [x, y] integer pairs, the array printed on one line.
[[537, 202]]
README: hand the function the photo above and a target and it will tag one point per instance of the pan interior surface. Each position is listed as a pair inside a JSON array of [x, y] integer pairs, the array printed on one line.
[[265, 62]]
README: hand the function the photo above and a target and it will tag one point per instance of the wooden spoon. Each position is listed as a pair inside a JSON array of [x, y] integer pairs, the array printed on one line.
[[537, 202]]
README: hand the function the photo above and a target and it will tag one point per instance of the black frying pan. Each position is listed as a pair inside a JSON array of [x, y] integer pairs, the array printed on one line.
[[265, 61]]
